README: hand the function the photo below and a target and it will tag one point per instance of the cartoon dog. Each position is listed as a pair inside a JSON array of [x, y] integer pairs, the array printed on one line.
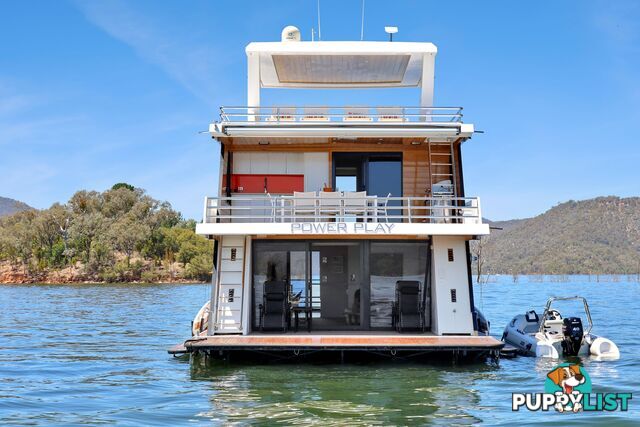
[[567, 377]]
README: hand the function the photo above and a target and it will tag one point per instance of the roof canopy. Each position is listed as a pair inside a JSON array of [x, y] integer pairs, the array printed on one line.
[[342, 64]]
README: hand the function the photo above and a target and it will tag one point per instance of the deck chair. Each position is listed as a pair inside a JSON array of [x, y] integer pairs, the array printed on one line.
[[408, 313], [330, 205], [283, 115], [304, 205], [355, 203], [382, 208], [315, 114], [391, 114], [357, 114], [274, 309]]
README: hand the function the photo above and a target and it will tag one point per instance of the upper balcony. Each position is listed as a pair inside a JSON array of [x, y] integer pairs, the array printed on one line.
[[437, 123]]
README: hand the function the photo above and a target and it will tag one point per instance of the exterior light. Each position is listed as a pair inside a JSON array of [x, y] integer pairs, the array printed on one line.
[[391, 31]]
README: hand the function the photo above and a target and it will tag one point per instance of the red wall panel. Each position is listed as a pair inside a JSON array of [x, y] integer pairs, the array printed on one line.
[[255, 183]]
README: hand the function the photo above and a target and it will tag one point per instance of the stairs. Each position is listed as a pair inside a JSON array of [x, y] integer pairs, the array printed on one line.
[[229, 287]]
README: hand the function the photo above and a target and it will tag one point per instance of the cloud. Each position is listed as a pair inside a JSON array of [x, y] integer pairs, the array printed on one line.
[[21, 121], [189, 62]]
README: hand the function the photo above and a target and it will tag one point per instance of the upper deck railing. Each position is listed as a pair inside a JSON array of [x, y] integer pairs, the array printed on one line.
[[353, 115], [341, 208]]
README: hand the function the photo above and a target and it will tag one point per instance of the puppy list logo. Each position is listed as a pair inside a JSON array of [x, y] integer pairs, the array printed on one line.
[[568, 389]]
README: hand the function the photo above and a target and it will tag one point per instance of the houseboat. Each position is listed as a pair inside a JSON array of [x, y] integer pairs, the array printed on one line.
[[341, 230]]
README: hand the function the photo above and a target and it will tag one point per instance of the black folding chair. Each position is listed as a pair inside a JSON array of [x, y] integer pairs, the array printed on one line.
[[274, 308], [408, 312]]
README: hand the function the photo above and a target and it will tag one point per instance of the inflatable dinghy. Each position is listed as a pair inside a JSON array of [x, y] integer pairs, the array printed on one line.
[[200, 323], [551, 335]]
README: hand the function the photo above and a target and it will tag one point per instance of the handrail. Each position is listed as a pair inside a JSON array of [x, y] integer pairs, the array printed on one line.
[[288, 208], [281, 113]]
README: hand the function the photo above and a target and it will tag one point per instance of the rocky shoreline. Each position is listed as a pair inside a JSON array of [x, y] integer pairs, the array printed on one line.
[[10, 275]]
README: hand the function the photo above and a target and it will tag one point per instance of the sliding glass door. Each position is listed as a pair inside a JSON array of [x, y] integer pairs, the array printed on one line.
[[278, 261], [340, 285], [379, 174], [323, 279], [336, 285]]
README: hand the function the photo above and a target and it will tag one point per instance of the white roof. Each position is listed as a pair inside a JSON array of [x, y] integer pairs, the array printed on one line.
[[343, 64]]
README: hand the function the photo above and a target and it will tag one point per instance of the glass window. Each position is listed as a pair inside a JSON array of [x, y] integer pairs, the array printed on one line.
[[388, 263], [277, 261]]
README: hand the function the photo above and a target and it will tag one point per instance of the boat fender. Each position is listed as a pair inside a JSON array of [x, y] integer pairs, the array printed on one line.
[[604, 347]]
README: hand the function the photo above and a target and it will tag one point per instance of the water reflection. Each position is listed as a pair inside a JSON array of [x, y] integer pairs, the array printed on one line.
[[341, 394]]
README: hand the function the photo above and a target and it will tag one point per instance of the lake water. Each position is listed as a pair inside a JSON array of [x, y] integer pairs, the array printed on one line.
[[96, 354]]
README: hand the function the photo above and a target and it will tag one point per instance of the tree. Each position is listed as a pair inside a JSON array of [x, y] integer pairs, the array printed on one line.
[[479, 252], [123, 185], [118, 202], [84, 229], [200, 267], [127, 234]]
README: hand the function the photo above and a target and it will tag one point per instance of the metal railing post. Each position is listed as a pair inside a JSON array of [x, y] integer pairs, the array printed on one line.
[[205, 216]]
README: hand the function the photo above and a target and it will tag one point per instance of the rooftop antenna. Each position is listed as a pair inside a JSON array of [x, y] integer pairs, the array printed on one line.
[[391, 31], [362, 24], [319, 31]]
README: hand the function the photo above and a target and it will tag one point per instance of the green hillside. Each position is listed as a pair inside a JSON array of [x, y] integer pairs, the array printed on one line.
[[596, 236]]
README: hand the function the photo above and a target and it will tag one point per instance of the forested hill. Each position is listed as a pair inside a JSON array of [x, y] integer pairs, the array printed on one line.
[[10, 206], [596, 236]]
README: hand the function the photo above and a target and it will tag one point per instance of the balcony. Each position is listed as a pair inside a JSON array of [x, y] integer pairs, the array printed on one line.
[[305, 121], [386, 115], [336, 213]]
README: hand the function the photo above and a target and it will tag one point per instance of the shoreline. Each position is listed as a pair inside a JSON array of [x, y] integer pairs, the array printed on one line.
[[175, 282], [71, 278]]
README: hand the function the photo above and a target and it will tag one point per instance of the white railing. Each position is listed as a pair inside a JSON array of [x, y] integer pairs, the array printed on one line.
[[278, 209], [360, 115]]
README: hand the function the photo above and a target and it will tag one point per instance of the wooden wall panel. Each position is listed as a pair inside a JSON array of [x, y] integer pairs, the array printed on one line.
[[415, 173]]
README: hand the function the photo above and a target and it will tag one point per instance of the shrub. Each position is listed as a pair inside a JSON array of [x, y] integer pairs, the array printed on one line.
[[199, 268], [150, 276]]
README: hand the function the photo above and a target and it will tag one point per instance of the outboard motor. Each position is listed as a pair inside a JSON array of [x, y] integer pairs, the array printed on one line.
[[483, 324], [573, 333]]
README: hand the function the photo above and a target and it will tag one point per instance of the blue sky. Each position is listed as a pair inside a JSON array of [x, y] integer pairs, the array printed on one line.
[[98, 92]]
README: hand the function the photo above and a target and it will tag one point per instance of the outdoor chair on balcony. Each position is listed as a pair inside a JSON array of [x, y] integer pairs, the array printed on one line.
[[408, 312], [304, 205], [271, 212], [355, 203], [391, 114], [382, 208], [282, 115], [274, 310], [355, 114], [315, 114], [330, 205]]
